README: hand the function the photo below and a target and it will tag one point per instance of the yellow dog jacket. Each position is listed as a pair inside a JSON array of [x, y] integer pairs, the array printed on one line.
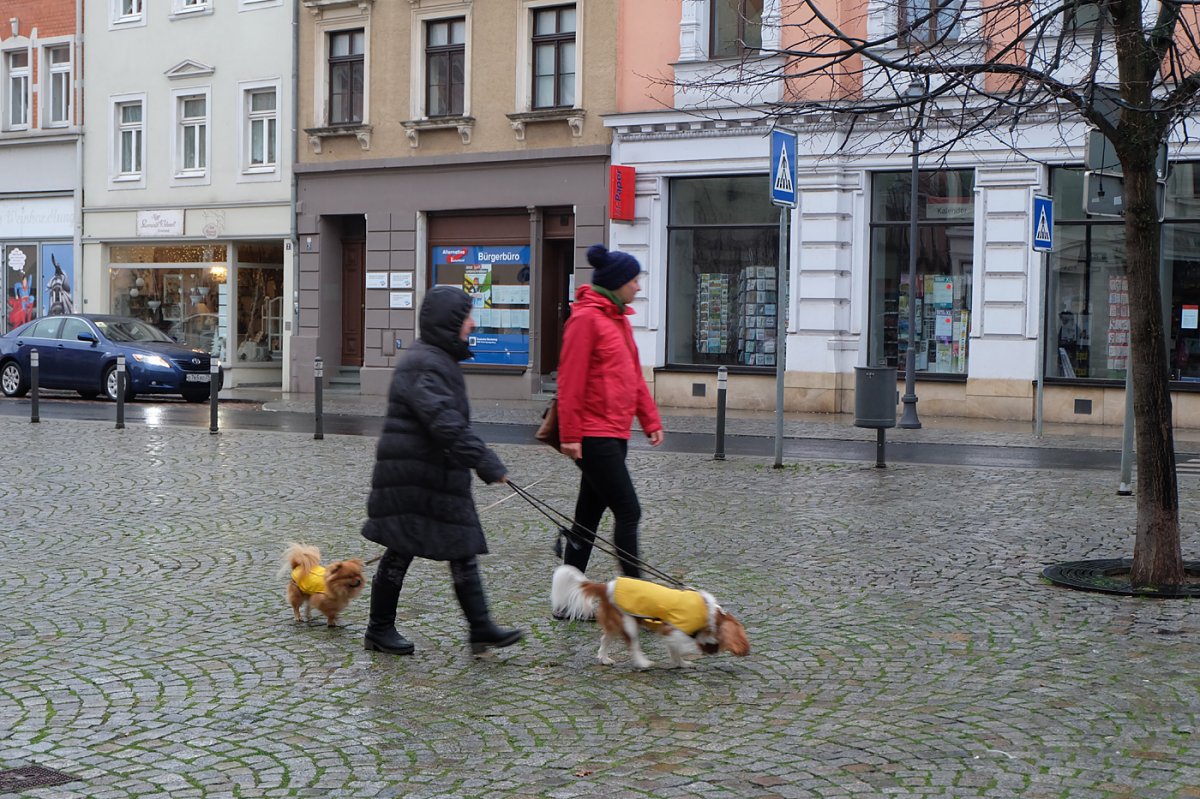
[[683, 610], [311, 583]]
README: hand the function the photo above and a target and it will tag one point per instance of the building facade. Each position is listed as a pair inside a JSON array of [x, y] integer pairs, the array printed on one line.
[[990, 311], [187, 219], [448, 142], [39, 158]]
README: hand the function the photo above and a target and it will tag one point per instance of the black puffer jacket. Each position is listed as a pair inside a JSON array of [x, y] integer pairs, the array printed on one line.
[[420, 502]]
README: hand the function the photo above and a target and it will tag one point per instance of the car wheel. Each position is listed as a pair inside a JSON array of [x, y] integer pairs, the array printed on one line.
[[12, 382], [89, 394], [110, 385]]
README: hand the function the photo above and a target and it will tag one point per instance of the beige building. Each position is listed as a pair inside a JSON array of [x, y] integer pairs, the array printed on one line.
[[447, 142]]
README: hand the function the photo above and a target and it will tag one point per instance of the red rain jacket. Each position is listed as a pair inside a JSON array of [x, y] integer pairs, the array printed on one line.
[[600, 383]]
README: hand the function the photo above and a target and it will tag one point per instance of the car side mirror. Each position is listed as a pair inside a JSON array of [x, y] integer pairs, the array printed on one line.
[[89, 337]]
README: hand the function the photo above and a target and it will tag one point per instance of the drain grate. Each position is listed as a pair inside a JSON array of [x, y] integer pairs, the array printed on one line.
[[17, 780]]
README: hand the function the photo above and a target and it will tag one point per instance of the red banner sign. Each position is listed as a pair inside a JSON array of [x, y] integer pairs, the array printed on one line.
[[621, 185]]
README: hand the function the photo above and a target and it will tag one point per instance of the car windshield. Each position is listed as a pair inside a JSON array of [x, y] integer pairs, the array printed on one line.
[[130, 330]]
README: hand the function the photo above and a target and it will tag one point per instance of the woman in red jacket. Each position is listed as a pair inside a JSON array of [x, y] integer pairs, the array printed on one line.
[[600, 390]]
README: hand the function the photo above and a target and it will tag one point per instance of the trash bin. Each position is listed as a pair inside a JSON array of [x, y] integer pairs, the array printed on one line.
[[875, 396]]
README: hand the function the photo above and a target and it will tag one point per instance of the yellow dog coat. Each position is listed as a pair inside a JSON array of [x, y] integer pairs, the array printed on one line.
[[311, 583], [683, 610]]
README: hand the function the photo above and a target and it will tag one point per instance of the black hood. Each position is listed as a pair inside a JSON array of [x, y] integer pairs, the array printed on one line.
[[443, 312]]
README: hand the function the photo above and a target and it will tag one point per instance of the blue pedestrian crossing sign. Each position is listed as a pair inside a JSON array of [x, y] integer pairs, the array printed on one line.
[[783, 168], [1043, 223]]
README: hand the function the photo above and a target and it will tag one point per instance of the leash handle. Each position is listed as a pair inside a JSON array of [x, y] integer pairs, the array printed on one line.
[[558, 518]]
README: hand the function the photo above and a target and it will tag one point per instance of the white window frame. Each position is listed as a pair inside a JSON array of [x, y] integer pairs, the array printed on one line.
[[46, 90], [246, 117], [420, 16], [117, 178], [24, 76], [255, 5], [119, 19], [524, 99], [190, 8], [695, 35], [181, 175], [329, 23]]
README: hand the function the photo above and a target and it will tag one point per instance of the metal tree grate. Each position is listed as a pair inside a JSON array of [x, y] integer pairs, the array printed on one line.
[[18, 780], [1111, 576]]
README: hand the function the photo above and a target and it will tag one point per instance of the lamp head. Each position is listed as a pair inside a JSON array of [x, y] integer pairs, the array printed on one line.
[[914, 97]]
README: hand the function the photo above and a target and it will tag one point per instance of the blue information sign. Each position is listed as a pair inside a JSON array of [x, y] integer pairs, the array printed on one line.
[[1043, 223], [783, 168]]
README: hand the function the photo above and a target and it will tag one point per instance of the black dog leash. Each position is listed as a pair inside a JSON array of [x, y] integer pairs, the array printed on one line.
[[565, 523]]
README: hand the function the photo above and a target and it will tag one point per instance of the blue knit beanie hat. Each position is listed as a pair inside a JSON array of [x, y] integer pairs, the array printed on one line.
[[613, 269]]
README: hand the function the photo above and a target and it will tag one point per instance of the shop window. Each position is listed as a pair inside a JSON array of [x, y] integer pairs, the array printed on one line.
[[1087, 296], [554, 57], [497, 278], [20, 284], [722, 272], [945, 236], [180, 289], [735, 27], [445, 66], [259, 311], [347, 69]]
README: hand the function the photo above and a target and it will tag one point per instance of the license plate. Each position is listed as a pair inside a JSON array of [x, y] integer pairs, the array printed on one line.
[[198, 378]]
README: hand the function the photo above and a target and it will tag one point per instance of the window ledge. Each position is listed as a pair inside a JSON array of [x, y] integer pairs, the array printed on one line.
[[358, 131], [413, 128], [318, 7], [572, 116]]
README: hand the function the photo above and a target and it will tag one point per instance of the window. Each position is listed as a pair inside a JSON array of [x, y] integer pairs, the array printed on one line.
[[554, 57], [188, 6], [17, 67], [945, 242], [346, 64], [130, 140], [127, 11], [722, 272], [1082, 17], [262, 128], [930, 20], [735, 26], [58, 66], [445, 66], [193, 133]]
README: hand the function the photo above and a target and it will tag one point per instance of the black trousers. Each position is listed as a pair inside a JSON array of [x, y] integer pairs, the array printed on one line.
[[394, 566], [605, 483]]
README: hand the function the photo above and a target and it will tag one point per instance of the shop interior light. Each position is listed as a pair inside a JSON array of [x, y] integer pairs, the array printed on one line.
[[219, 273]]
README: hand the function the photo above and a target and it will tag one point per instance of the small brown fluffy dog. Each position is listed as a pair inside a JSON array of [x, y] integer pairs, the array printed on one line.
[[327, 589], [689, 620]]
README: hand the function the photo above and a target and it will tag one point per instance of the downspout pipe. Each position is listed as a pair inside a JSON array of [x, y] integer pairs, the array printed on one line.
[[77, 193]]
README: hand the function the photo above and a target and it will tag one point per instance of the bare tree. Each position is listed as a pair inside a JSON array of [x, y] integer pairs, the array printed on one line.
[[1130, 69]]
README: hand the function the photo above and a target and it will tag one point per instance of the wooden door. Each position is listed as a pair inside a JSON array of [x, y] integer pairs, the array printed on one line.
[[555, 305], [353, 306]]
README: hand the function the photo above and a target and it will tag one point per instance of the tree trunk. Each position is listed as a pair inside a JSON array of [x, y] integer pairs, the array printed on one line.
[[1157, 556]]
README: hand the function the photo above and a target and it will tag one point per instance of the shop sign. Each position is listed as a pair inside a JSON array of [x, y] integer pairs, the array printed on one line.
[[160, 223], [29, 219], [622, 182]]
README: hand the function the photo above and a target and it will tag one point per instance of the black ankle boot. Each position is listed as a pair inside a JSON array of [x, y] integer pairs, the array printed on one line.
[[484, 632], [381, 635]]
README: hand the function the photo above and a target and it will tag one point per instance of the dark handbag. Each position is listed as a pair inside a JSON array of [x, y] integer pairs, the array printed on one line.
[[547, 433]]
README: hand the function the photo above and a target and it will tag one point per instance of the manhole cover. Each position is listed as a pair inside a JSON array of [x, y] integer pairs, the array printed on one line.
[[18, 780], [1111, 576]]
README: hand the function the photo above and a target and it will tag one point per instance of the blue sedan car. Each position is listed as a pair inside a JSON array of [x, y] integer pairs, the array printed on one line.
[[79, 353]]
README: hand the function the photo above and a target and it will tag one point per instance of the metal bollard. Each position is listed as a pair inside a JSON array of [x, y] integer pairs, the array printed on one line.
[[880, 446], [318, 374], [121, 378], [214, 367], [33, 383], [722, 385]]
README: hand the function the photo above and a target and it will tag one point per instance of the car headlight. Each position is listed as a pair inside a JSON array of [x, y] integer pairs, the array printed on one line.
[[151, 360]]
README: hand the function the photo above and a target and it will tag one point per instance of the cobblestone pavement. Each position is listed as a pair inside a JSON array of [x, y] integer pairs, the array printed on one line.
[[904, 643]]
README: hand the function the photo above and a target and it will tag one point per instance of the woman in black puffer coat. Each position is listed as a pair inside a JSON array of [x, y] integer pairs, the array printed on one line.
[[421, 503]]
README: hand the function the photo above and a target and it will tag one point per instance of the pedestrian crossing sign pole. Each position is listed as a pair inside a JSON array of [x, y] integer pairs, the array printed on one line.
[[782, 178], [1043, 241]]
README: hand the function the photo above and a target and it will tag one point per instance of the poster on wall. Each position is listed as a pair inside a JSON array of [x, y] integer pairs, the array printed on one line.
[[497, 279], [58, 279], [20, 284]]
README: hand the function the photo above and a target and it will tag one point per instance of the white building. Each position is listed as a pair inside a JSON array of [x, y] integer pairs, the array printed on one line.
[[187, 216]]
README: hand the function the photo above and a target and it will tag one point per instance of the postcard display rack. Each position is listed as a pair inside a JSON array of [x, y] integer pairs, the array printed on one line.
[[942, 324], [736, 315]]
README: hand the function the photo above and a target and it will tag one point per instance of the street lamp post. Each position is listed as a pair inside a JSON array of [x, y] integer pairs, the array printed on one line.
[[915, 94]]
